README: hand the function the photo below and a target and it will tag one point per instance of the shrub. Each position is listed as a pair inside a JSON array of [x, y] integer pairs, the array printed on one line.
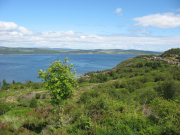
[[76, 112], [22, 87], [85, 97], [16, 87], [35, 86], [25, 103], [6, 87], [117, 84], [168, 89], [146, 78], [81, 80], [33, 103], [123, 84], [13, 82], [98, 105], [4, 108], [19, 83], [146, 95], [38, 95], [44, 96], [19, 99], [160, 77]]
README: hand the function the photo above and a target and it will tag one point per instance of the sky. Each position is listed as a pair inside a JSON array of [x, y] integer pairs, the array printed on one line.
[[152, 25]]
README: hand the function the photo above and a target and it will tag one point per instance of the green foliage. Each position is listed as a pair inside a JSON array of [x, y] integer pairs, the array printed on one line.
[[4, 108], [160, 77], [13, 82], [168, 89], [22, 87], [59, 79], [5, 85], [18, 83], [19, 99], [82, 80], [146, 95], [171, 51], [33, 103], [153, 65], [38, 95], [35, 85], [24, 103], [15, 87], [101, 77], [4, 82], [44, 96]]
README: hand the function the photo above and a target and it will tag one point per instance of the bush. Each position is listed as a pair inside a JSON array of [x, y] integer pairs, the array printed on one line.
[[25, 103], [98, 105], [13, 82], [16, 87], [19, 99], [160, 77], [33, 103], [6, 87], [44, 96], [123, 84], [38, 95], [81, 80], [146, 95], [4, 108], [146, 78], [168, 89], [18, 83], [22, 87], [35, 86], [117, 84]]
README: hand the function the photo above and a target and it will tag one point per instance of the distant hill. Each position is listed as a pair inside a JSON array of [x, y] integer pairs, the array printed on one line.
[[6, 50], [171, 51]]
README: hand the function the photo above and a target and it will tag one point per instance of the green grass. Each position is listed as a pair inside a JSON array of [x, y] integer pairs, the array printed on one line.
[[20, 111]]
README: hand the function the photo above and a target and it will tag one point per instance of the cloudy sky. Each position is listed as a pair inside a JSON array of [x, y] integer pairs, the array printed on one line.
[[91, 24]]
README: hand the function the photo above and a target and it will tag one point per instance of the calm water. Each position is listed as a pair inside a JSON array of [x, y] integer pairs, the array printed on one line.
[[22, 67]]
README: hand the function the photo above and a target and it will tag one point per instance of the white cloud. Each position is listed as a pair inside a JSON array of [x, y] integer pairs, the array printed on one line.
[[7, 25], [166, 20], [139, 31], [61, 39], [25, 31], [118, 11]]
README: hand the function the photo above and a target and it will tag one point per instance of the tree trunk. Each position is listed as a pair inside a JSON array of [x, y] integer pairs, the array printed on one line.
[[59, 113]]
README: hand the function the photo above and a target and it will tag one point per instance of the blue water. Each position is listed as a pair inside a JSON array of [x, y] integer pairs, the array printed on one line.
[[22, 67]]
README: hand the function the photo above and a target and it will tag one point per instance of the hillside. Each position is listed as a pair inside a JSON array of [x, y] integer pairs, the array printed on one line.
[[171, 51], [140, 96], [5, 50]]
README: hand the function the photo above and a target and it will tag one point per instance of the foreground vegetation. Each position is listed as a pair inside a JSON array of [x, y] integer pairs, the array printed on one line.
[[137, 97]]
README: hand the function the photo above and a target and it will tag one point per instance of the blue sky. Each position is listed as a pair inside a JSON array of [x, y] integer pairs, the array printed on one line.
[[91, 24]]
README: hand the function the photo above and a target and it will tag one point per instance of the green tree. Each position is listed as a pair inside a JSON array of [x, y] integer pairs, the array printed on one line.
[[60, 81], [33, 103], [4, 82], [5, 85], [13, 82]]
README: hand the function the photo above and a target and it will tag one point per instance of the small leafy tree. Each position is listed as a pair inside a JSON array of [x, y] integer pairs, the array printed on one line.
[[60, 81], [4, 82], [13, 82], [38, 95], [33, 103]]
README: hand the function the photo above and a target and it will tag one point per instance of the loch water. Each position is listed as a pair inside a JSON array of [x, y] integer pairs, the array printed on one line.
[[22, 67]]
